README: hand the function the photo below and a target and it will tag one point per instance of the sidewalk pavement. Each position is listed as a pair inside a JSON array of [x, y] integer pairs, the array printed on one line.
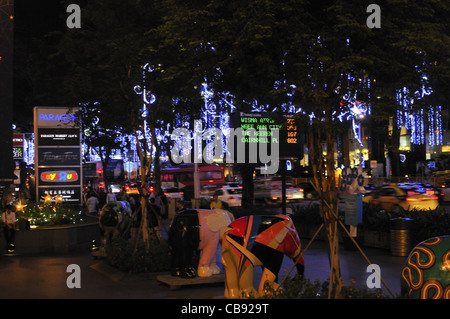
[[45, 277]]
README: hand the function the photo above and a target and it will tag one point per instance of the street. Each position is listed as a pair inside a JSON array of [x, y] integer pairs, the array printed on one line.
[[45, 277]]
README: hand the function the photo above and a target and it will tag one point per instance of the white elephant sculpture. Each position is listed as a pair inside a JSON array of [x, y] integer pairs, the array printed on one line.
[[197, 229]]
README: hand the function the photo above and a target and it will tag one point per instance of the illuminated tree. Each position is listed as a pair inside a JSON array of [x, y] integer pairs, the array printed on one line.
[[317, 56], [105, 60], [338, 55]]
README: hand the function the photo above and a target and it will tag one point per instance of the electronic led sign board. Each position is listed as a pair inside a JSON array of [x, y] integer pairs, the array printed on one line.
[[258, 128]]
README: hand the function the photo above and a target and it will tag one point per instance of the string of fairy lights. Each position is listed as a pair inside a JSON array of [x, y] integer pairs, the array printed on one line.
[[50, 212], [423, 125]]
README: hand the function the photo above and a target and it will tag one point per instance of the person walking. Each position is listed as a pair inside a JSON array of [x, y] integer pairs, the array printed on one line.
[[179, 206], [9, 228], [154, 217], [216, 203], [92, 205], [110, 197], [108, 222], [123, 196]]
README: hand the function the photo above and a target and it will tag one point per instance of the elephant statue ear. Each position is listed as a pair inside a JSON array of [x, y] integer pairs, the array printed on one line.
[[279, 238], [218, 220]]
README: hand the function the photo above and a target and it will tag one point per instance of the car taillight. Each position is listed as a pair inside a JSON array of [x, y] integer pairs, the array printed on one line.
[[301, 190], [414, 199], [231, 199], [274, 198], [181, 193], [429, 192]]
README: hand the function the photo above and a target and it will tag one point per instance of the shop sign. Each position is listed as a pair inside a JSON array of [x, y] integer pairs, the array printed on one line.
[[68, 194], [52, 176], [58, 156]]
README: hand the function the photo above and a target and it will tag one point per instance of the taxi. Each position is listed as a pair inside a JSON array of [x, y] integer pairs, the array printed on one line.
[[394, 198]]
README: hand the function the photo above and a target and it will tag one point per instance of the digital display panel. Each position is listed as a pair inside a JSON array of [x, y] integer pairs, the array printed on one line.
[[258, 128]]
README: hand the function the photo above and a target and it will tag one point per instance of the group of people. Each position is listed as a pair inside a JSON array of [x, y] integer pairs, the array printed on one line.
[[157, 210], [129, 219], [96, 199]]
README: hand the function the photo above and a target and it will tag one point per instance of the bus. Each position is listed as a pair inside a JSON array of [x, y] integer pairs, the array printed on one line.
[[211, 177], [94, 175]]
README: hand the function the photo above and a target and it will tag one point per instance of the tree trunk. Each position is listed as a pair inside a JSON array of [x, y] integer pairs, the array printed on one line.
[[248, 197], [329, 206], [324, 181]]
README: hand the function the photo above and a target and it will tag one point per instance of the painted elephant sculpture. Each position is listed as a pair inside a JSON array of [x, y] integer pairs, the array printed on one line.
[[196, 230], [118, 210], [258, 240], [426, 274]]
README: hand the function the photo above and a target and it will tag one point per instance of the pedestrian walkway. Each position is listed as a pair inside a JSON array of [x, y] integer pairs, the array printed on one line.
[[44, 277]]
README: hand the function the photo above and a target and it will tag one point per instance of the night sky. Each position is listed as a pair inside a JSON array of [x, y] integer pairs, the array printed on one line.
[[33, 20]]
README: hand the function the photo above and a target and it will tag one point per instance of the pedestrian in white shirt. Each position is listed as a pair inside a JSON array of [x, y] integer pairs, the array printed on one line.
[[111, 197], [92, 205]]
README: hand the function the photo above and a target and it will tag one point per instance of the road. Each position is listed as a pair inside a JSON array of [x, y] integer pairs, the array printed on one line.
[[45, 277]]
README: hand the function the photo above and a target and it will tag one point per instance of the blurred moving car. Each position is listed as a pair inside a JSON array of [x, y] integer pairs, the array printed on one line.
[[233, 184], [369, 188], [294, 193], [131, 187], [445, 190], [395, 198], [422, 188], [232, 196], [173, 192], [309, 192]]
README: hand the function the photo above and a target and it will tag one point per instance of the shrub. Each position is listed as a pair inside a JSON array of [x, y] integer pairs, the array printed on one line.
[[124, 255], [302, 288], [426, 223], [50, 214]]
